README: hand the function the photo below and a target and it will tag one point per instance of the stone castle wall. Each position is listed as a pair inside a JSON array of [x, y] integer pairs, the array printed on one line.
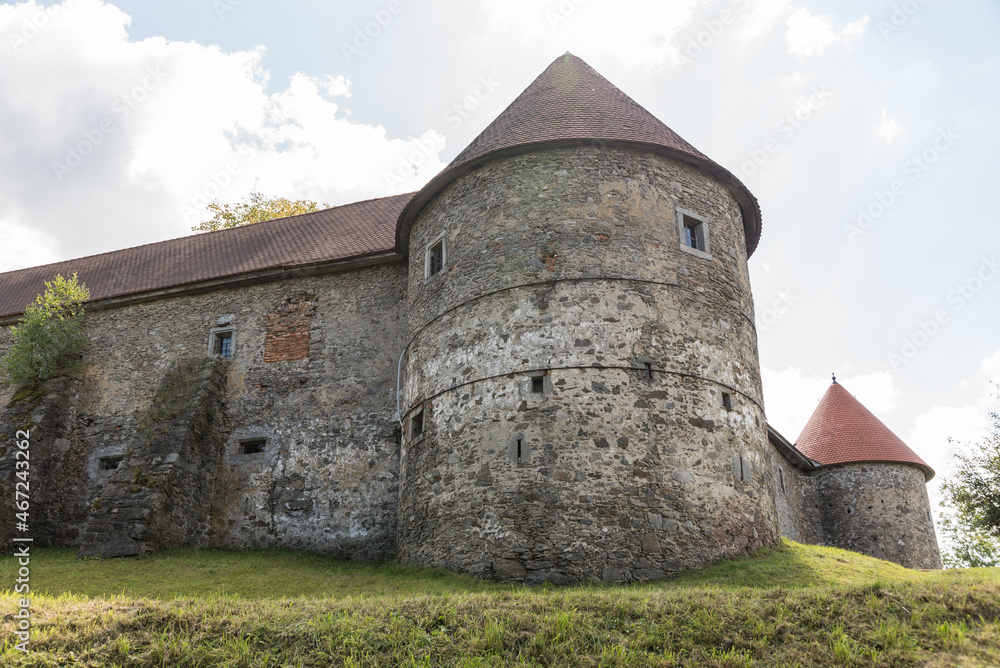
[[58, 502], [567, 263], [567, 368], [314, 372], [795, 500]]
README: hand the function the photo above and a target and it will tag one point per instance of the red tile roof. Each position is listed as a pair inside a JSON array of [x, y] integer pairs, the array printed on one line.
[[343, 232], [841, 431], [570, 101]]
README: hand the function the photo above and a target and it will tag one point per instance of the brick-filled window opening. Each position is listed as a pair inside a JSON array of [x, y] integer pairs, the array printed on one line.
[[287, 335], [436, 258], [538, 384], [109, 463], [727, 401], [223, 344], [253, 446]]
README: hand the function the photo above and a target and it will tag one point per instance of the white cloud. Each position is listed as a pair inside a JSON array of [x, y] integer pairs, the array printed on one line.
[[790, 398], [990, 367], [888, 129], [24, 247], [760, 18], [652, 27], [809, 34], [940, 430], [99, 130], [933, 428]]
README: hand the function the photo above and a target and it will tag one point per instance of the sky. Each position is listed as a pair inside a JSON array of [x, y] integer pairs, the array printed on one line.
[[867, 131]]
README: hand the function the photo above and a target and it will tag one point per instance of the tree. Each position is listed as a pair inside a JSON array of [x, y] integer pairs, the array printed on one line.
[[48, 339], [254, 208], [973, 496]]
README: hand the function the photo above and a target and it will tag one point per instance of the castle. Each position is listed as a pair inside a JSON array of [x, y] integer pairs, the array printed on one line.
[[541, 367]]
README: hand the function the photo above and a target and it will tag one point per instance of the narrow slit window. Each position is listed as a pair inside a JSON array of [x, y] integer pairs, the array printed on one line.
[[781, 479], [110, 463], [253, 446], [435, 258], [647, 372], [537, 384], [520, 450]]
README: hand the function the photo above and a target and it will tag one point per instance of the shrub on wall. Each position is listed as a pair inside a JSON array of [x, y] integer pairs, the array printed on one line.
[[48, 339]]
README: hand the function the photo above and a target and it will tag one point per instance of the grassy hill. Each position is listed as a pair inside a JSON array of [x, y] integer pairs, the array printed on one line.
[[793, 605]]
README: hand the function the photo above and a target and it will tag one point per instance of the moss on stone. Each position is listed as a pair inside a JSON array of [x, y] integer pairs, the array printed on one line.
[[27, 394]]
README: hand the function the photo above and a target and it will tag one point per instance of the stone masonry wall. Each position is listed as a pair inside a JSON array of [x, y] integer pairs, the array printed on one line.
[[160, 494], [566, 263], [795, 499], [881, 510], [327, 479], [55, 471]]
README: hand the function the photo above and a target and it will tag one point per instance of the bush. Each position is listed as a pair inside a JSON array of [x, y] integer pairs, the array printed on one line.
[[48, 340]]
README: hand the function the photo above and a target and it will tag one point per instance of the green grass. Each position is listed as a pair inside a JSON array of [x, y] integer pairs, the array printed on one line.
[[259, 574], [792, 605]]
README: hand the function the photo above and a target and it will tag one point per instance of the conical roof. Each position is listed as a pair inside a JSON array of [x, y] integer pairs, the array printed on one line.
[[841, 430], [568, 103], [570, 100]]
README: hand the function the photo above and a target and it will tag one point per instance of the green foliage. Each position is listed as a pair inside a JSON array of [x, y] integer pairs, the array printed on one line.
[[48, 339], [973, 496], [254, 209], [968, 545]]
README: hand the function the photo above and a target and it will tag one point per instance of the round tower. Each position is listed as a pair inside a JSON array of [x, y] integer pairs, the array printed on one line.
[[581, 394], [872, 488]]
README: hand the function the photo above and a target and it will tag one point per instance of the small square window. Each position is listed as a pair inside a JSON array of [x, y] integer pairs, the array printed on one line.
[[727, 401], [109, 463], [538, 384], [693, 233], [222, 342], [253, 446], [435, 259], [417, 425]]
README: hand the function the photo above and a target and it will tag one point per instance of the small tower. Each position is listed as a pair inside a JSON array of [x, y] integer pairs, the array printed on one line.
[[872, 491]]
